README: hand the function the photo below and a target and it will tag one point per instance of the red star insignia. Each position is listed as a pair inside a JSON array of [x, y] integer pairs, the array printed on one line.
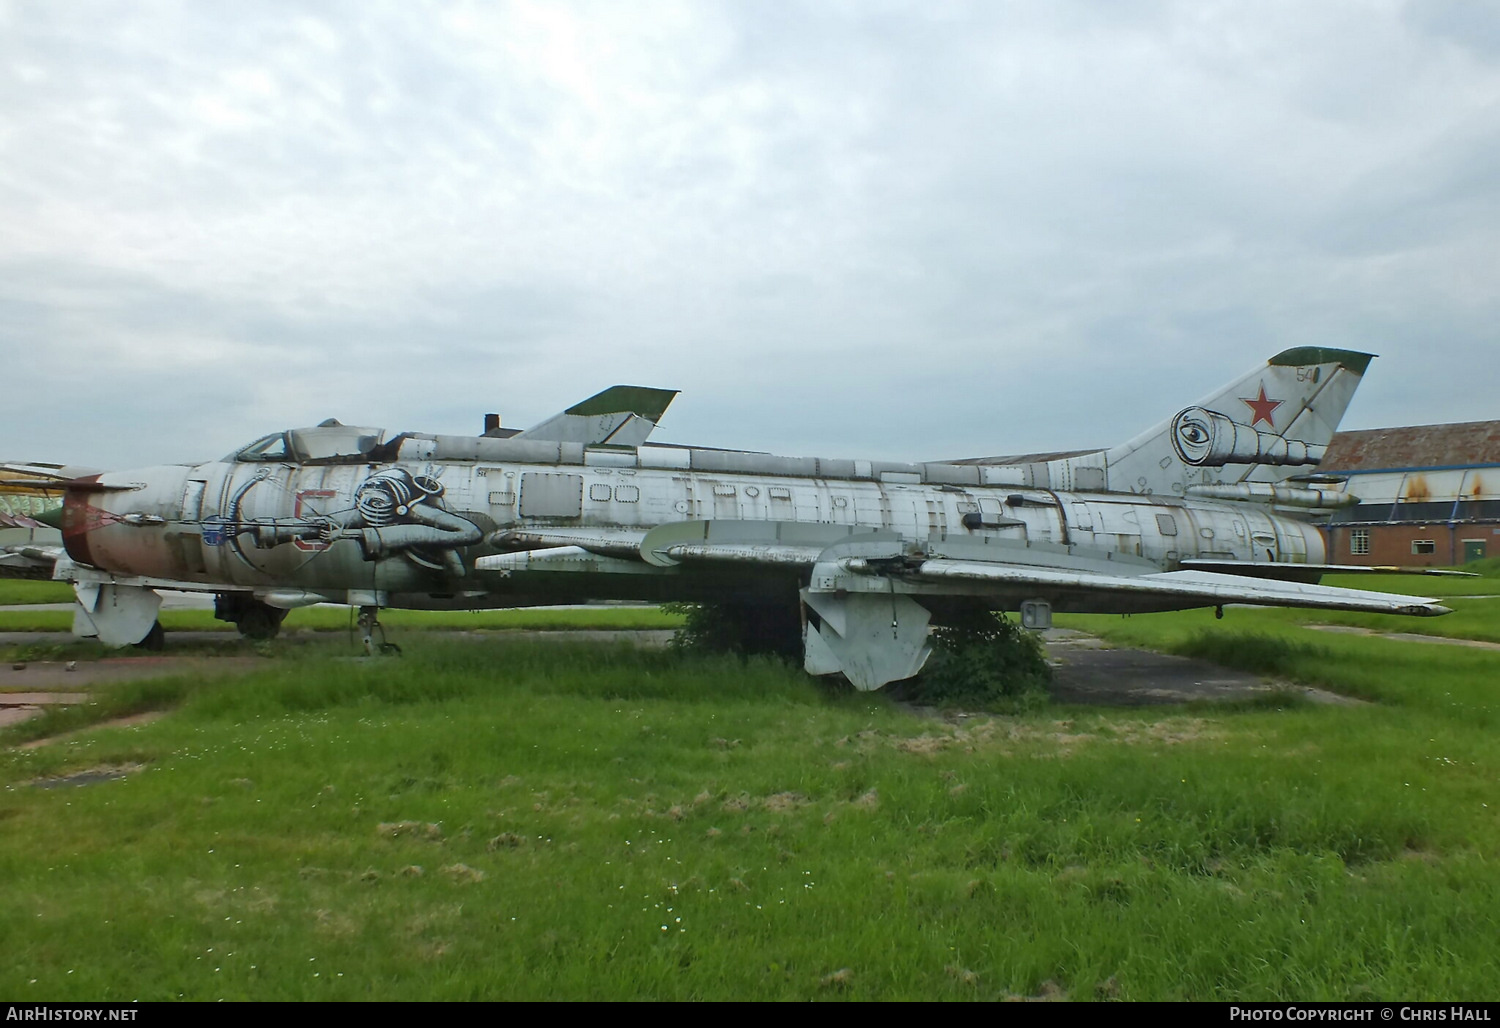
[[1261, 408]]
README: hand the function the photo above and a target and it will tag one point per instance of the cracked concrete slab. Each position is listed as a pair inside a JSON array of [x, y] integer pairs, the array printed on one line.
[[1088, 670]]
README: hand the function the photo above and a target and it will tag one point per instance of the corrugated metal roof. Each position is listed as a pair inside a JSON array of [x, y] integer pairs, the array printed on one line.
[[1418, 446]]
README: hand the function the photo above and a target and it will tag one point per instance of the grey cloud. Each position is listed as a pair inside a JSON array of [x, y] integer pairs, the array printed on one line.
[[885, 229], [1473, 26]]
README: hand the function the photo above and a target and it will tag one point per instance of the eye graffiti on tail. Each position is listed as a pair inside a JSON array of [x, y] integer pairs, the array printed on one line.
[[1209, 439]]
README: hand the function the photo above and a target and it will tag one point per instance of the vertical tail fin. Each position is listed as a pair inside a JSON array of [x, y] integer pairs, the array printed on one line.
[[1271, 424], [622, 415]]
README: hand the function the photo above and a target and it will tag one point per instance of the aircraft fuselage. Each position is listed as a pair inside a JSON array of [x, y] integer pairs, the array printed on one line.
[[414, 529]]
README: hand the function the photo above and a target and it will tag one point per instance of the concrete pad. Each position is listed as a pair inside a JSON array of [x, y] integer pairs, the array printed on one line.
[[34, 699], [15, 715], [1087, 670]]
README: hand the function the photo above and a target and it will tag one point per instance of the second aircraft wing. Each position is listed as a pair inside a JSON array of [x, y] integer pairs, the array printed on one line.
[[1002, 574]]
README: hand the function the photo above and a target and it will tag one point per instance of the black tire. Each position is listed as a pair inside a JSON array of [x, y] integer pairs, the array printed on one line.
[[260, 621], [155, 640]]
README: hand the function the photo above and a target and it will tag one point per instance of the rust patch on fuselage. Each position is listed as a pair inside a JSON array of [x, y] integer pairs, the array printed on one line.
[[79, 518]]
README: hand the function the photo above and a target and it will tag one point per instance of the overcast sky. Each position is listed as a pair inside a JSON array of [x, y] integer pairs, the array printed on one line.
[[902, 230]]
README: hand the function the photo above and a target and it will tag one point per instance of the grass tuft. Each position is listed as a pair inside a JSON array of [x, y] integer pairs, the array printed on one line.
[[1251, 651]]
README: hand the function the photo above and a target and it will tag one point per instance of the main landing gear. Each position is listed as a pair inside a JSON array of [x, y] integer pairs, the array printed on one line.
[[155, 640], [254, 619]]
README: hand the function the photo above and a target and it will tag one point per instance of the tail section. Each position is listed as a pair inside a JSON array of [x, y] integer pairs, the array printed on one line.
[[1272, 424]]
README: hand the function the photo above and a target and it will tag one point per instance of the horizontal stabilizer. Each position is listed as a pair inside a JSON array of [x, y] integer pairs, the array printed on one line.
[[40, 478]]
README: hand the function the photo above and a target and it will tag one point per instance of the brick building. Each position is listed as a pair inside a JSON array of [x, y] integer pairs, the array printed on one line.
[[1429, 494]]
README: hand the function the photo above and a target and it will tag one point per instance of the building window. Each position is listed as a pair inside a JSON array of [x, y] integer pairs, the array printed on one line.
[[1359, 541], [1423, 546]]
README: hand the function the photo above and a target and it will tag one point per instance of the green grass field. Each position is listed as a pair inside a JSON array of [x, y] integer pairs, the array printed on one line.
[[20, 590], [504, 819]]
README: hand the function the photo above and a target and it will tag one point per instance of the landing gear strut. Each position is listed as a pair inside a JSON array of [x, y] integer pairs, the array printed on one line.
[[372, 633]]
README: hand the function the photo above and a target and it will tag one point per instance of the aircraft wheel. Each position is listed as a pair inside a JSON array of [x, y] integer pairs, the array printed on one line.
[[260, 621], [155, 639]]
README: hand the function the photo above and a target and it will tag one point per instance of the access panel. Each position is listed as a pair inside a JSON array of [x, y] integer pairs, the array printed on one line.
[[551, 496]]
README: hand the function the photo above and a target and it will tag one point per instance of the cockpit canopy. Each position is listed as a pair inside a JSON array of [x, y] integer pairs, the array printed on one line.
[[328, 443]]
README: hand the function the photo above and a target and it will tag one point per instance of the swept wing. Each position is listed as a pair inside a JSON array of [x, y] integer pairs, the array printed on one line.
[[1069, 581]]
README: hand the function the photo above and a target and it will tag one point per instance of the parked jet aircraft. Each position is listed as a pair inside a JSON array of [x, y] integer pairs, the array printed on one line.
[[31, 493], [1191, 513]]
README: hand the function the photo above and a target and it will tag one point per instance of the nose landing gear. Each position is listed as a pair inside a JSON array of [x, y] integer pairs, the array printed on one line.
[[372, 633]]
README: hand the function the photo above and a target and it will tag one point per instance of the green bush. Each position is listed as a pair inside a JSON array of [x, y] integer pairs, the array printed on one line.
[[740, 628], [984, 660]]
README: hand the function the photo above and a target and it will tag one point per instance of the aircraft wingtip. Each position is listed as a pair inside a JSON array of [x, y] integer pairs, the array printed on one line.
[[1429, 610]]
